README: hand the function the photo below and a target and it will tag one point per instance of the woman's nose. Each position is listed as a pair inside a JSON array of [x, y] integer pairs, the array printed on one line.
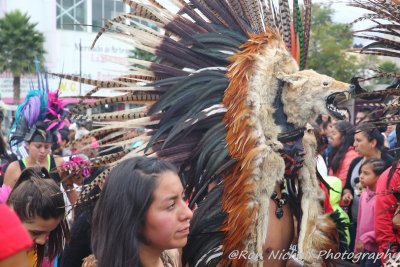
[[190, 213], [187, 213]]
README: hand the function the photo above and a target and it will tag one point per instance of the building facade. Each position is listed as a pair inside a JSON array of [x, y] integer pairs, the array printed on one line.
[[69, 27]]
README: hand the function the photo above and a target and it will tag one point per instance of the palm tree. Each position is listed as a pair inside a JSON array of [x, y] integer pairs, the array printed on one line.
[[20, 43]]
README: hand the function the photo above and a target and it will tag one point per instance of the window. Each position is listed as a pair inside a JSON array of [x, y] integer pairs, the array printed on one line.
[[71, 15], [106, 9]]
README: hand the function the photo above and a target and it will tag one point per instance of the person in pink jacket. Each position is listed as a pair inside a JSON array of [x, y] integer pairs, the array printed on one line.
[[365, 241], [342, 154]]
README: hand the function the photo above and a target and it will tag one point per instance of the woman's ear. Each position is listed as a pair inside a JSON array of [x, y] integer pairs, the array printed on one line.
[[373, 142]]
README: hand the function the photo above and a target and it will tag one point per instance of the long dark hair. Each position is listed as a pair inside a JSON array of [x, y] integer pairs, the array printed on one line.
[[336, 155], [3, 145], [372, 133], [35, 194], [120, 212]]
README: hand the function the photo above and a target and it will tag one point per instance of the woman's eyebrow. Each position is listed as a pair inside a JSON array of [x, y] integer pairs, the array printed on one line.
[[168, 198]]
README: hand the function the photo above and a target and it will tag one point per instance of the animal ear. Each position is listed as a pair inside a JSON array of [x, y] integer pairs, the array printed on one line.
[[294, 79]]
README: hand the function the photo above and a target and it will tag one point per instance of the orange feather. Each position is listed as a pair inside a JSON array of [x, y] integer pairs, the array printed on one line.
[[239, 186]]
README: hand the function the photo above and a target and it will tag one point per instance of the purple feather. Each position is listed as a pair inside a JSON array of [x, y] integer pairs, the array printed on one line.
[[32, 110]]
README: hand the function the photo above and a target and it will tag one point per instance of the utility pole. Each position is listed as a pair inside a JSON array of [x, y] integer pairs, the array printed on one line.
[[80, 66]]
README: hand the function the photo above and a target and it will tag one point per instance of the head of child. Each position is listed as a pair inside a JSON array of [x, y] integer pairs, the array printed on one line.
[[140, 212], [38, 142], [39, 203], [370, 170]]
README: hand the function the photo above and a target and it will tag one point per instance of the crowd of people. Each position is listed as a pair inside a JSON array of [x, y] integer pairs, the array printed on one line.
[[39, 193], [355, 162], [360, 156]]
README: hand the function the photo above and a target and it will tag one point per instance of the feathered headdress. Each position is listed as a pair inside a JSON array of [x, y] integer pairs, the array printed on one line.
[[76, 166], [226, 101], [40, 115], [384, 36]]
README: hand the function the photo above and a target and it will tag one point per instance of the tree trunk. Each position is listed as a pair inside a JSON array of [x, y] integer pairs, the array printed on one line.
[[17, 89]]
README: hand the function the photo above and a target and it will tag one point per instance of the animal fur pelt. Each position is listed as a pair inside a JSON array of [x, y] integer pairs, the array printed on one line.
[[223, 73]]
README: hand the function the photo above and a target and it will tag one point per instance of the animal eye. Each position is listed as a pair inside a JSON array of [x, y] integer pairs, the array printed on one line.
[[325, 83]]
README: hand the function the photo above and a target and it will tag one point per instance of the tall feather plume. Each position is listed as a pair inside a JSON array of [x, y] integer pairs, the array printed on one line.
[[108, 25], [267, 13], [257, 20], [306, 28], [141, 98], [204, 56], [98, 83], [88, 188], [384, 15], [40, 105], [297, 20], [95, 133], [285, 22]]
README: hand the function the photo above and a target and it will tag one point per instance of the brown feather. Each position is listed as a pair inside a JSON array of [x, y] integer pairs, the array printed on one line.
[[97, 83], [131, 98], [110, 117], [88, 94], [306, 27], [108, 25], [87, 188], [284, 14], [141, 10]]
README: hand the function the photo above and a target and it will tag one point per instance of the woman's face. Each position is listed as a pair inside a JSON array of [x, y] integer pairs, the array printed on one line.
[[367, 176], [335, 138], [40, 229], [329, 128], [362, 145], [168, 217], [38, 151], [324, 117]]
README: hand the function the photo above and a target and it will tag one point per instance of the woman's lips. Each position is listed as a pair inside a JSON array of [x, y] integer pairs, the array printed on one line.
[[184, 231]]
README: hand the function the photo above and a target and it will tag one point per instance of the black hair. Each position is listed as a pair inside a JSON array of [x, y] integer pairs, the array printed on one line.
[[120, 212], [319, 121], [3, 146], [1, 113], [368, 112], [64, 132], [39, 133], [378, 165], [322, 141], [336, 155], [35, 194], [372, 133]]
